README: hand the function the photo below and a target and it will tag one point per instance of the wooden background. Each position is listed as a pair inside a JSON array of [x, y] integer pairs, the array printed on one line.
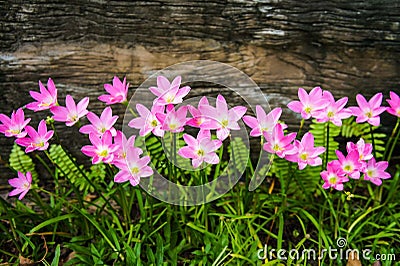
[[344, 46]]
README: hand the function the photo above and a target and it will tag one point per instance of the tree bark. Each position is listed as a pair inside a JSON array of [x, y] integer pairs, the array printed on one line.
[[347, 47]]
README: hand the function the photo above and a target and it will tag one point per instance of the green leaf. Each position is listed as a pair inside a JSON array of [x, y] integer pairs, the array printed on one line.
[[56, 256], [51, 221]]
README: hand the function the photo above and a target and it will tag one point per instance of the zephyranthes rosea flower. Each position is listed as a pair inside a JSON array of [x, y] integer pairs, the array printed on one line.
[[306, 153], [118, 92], [200, 149], [36, 140], [21, 184], [102, 148], [279, 144], [100, 125], [368, 111], [364, 149], [335, 110], [148, 122], [173, 121], [46, 99], [375, 171], [220, 118], [197, 117], [72, 112], [163, 85], [263, 122], [350, 164], [310, 104], [394, 103], [134, 168], [14, 126], [123, 144], [333, 176], [169, 93]]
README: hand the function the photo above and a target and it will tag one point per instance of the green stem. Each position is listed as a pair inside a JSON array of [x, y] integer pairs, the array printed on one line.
[[126, 103], [174, 153], [391, 138], [55, 133], [327, 144], [218, 167], [301, 127], [393, 145], [205, 213], [373, 140], [45, 165]]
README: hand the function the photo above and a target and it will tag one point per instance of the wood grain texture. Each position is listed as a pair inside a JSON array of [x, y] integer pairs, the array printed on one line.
[[344, 46]]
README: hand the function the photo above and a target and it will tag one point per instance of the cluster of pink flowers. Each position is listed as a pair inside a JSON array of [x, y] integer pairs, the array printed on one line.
[[322, 106], [359, 160], [163, 116], [111, 146], [301, 152]]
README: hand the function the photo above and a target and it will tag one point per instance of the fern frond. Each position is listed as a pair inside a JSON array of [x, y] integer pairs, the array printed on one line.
[[74, 172], [22, 162], [240, 154], [319, 130], [352, 129]]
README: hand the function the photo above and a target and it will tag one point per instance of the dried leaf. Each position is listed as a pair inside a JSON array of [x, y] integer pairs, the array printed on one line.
[[25, 261]]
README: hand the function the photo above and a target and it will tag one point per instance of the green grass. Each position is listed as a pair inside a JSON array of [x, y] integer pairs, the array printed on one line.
[[86, 219]]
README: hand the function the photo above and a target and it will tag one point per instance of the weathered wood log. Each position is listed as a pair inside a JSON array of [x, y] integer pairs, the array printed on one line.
[[344, 46]]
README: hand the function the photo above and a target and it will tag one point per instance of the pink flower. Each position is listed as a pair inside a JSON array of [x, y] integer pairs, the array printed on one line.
[[169, 93], [220, 118], [163, 85], [148, 122], [309, 104], [200, 149], [263, 123], [333, 177], [306, 153], [36, 140], [279, 144], [46, 99], [368, 111], [198, 118], [100, 125], [14, 126], [22, 184], [173, 121], [335, 111], [375, 171], [123, 144], [173, 96], [364, 149], [72, 112], [102, 148], [394, 103], [118, 92], [134, 168], [350, 165]]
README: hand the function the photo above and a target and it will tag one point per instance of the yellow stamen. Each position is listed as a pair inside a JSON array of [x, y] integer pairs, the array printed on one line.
[[135, 170], [304, 156], [200, 152], [103, 153], [333, 180]]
